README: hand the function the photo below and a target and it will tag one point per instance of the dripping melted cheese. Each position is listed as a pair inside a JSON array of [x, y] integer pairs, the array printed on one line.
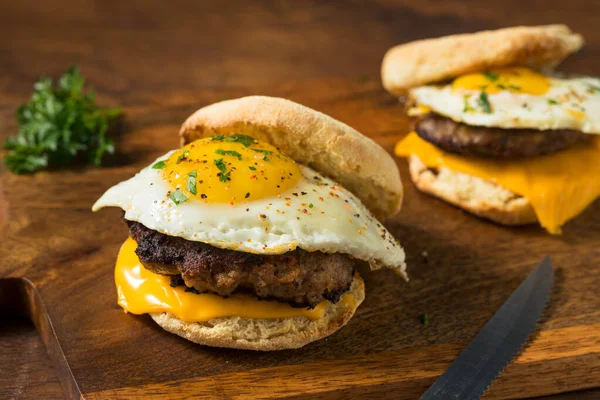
[[559, 186]]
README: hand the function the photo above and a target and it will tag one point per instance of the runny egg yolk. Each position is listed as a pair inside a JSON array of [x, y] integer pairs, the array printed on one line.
[[516, 80], [232, 169]]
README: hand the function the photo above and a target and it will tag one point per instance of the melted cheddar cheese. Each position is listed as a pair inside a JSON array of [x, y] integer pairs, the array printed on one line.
[[141, 291], [559, 186]]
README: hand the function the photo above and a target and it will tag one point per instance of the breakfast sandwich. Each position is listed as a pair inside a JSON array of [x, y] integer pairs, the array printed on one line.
[[494, 130], [251, 234]]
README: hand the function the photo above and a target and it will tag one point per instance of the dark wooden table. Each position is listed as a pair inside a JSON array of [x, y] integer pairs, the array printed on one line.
[[153, 49]]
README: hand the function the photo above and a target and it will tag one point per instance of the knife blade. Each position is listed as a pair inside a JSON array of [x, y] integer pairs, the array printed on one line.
[[470, 375]]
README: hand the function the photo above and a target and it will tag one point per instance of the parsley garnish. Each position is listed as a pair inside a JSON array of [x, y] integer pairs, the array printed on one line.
[[514, 87], [191, 182], [251, 168], [159, 165], [183, 156], [178, 197], [224, 175], [243, 139], [552, 102], [239, 138], [265, 152], [59, 124], [484, 102], [262, 151], [310, 205], [229, 153], [424, 319], [492, 76]]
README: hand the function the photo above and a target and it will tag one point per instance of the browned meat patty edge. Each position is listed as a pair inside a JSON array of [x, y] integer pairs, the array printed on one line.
[[300, 278], [459, 138]]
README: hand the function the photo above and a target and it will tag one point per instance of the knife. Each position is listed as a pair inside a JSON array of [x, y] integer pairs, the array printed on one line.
[[470, 375]]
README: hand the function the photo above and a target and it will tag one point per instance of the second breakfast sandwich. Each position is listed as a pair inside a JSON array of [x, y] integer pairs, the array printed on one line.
[[495, 131], [251, 234]]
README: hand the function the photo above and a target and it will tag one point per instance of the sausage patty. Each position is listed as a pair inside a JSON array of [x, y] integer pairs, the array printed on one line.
[[300, 278], [456, 137]]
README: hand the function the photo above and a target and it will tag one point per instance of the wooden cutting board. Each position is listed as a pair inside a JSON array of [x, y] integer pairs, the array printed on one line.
[[57, 257]]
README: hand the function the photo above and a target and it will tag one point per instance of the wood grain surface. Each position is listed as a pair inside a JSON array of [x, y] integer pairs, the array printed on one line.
[[161, 62]]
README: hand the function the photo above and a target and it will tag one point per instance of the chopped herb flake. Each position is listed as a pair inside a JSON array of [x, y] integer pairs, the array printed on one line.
[[178, 197], [224, 175], [425, 319], [159, 165], [183, 156], [221, 165], [492, 76], [191, 182], [251, 168], [229, 153], [484, 102], [268, 152], [310, 205], [552, 102], [243, 139]]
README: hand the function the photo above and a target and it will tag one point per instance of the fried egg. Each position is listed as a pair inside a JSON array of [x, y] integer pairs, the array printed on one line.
[[515, 98], [241, 194]]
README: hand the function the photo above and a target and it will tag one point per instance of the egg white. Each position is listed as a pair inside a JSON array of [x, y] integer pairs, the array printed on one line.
[[272, 225], [570, 103]]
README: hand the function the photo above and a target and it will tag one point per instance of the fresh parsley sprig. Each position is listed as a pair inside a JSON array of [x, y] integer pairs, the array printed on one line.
[[59, 124]]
